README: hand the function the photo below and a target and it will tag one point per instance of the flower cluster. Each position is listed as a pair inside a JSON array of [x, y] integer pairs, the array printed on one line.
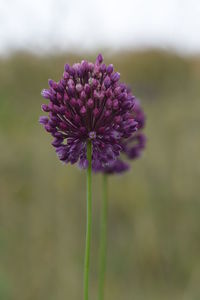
[[90, 103], [131, 147]]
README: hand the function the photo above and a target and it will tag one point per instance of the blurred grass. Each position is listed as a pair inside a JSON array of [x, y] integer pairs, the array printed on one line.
[[154, 224]]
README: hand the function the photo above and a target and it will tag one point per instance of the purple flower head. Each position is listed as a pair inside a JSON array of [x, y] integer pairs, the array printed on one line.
[[132, 147], [116, 167], [139, 114], [89, 103]]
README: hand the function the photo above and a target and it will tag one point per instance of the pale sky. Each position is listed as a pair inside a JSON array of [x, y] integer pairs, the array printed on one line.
[[81, 25]]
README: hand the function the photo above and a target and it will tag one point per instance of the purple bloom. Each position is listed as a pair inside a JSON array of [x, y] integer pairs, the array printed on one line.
[[132, 147], [89, 103], [116, 167]]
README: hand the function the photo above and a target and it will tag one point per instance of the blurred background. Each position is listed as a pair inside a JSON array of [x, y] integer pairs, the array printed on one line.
[[154, 210]]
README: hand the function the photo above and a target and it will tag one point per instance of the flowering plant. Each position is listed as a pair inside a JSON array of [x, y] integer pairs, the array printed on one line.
[[94, 120]]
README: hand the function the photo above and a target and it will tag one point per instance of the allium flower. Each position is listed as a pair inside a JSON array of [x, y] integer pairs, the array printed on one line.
[[131, 147], [116, 167], [89, 103]]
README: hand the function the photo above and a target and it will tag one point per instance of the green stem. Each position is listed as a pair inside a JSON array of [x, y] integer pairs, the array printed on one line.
[[89, 220], [103, 231]]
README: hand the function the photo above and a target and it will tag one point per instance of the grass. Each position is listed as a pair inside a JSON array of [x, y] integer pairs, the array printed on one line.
[[153, 237]]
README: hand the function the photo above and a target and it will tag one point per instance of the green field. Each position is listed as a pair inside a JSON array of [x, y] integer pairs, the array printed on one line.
[[154, 210]]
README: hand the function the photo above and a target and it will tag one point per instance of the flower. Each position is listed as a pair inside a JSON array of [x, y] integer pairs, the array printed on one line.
[[89, 103], [116, 167], [131, 147]]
